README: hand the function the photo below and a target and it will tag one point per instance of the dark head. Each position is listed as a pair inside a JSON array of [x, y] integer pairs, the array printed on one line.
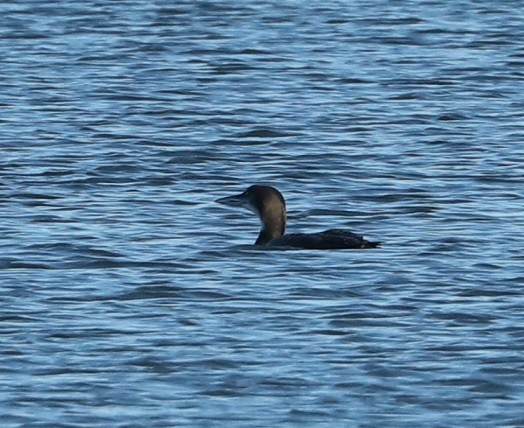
[[268, 203]]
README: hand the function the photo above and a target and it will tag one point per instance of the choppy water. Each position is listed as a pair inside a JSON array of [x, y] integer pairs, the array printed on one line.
[[129, 298]]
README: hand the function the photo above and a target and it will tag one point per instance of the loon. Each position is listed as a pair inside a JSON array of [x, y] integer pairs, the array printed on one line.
[[268, 203]]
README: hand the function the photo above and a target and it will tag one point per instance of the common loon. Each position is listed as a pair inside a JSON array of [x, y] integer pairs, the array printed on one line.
[[268, 203]]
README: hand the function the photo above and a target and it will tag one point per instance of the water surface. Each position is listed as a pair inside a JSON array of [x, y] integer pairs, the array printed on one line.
[[128, 297]]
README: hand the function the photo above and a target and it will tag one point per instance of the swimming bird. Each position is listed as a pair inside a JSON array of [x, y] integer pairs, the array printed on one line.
[[268, 203]]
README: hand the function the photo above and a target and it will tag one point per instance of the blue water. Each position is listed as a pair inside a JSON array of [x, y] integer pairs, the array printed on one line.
[[129, 298]]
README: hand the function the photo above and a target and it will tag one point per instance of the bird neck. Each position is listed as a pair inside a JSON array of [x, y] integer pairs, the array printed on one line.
[[273, 226]]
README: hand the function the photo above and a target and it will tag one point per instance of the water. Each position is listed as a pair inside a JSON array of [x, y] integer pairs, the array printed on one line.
[[129, 298]]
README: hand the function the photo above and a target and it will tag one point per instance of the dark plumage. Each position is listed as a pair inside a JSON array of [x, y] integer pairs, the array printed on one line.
[[268, 203]]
